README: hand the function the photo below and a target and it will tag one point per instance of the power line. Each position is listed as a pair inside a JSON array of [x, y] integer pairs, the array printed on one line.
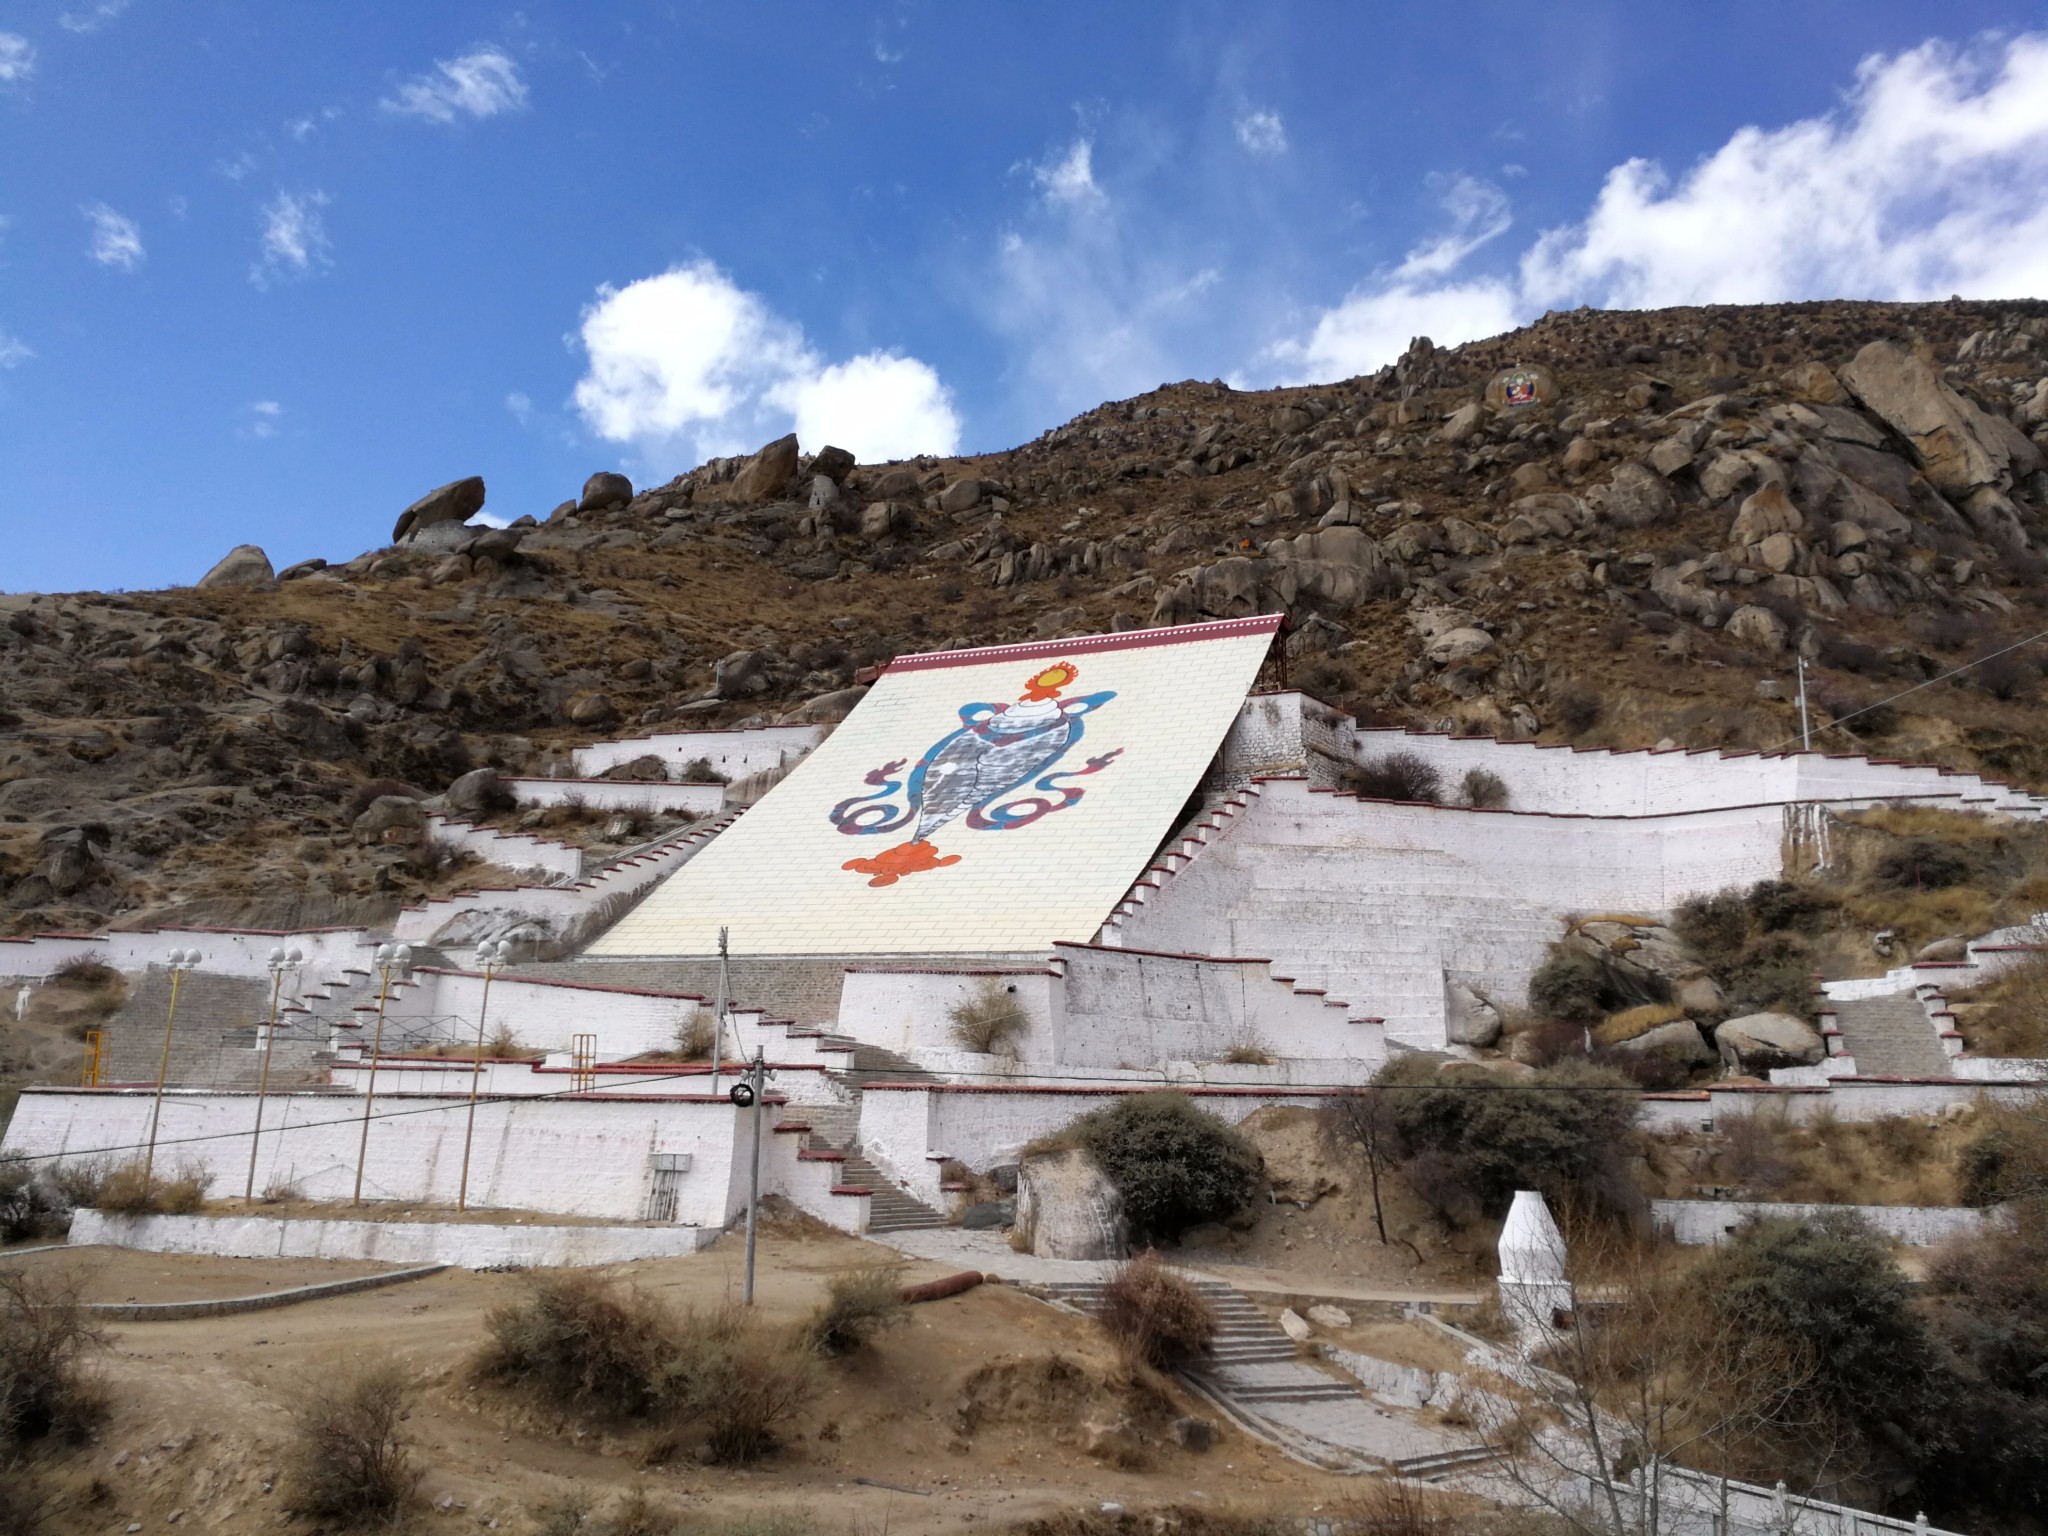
[[1144, 1086], [1944, 677]]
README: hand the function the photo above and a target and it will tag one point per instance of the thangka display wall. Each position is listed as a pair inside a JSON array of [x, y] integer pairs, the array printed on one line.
[[981, 801]]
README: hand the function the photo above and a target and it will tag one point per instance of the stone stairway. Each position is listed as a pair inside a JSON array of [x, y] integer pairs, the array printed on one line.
[[1890, 1036], [890, 1209], [1256, 1374]]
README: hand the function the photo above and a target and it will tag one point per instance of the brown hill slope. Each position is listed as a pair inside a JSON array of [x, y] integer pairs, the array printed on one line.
[[1639, 559]]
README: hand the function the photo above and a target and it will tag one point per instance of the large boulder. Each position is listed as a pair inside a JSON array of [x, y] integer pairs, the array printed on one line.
[[1068, 1209], [1523, 385], [456, 502], [477, 792], [1757, 626], [1957, 446], [962, 495], [1342, 566], [391, 819], [603, 489], [1635, 496], [768, 473], [741, 675], [1758, 1042], [835, 464], [1679, 1041], [243, 566], [1470, 1018], [1766, 512]]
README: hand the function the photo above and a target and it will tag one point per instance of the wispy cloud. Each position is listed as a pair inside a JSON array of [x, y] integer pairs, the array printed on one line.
[[92, 17], [688, 361], [1931, 179], [13, 351], [1068, 180], [482, 83], [261, 421], [17, 58], [116, 241], [1262, 132], [294, 240], [520, 405]]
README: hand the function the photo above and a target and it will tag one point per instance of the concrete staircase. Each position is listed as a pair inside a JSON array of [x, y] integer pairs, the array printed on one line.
[[1890, 1036], [833, 1128]]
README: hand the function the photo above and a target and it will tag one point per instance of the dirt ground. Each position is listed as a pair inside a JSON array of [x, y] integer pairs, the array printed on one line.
[[121, 1274], [200, 1407]]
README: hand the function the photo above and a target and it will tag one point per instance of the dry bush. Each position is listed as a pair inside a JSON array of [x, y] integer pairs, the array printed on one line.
[[859, 1304], [745, 1384], [1483, 790], [700, 771], [79, 1183], [29, 1206], [87, 970], [1752, 1155], [1397, 776], [992, 1021], [46, 1336], [349, 1461], [130, 1191], [1247, 1050], [2013, 1020], [1576, 709], [695, 1039], [1156, 1317], [280, 1192], [583, 1342]]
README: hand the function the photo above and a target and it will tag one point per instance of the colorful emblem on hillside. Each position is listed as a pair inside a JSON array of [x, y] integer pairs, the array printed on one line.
[[1519, 387], [997, 772]]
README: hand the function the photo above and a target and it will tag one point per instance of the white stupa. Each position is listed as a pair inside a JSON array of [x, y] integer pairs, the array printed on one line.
[[1535, 1294]]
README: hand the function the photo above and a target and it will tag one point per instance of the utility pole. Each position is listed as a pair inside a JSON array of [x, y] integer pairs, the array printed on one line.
[[718, 1014], [1805, 724], [180, 961], [280, 962], [489, 957], [389, 960], [758, 1080]]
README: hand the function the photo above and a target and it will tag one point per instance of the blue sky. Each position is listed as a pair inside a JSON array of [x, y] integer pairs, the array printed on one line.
[[268, 272]]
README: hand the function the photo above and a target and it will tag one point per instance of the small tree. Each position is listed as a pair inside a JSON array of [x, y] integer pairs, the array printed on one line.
[[1175, 1165], [1361, 1123]]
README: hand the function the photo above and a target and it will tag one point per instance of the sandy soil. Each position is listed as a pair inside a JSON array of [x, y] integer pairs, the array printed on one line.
[[121, 1274], [200, 1408]]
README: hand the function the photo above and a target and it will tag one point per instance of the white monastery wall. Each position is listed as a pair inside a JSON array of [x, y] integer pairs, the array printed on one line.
[[1380, 903], [736, 754], [584, 1157], [507, 850], [1695, 1223], [909, 1011], [468, 1244], [228, 952], [541, 1015], [905, 1129], [652, 798]]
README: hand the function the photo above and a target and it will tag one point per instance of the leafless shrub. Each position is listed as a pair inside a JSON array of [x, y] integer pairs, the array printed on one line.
[[131, 1191], [1483, 790], [583, 1342], [350, 1463], [991, 1021], [1397, 776], [858, 1304], [46, 1336], [1247, 1050], [1156, 1317], [695, 1039], [86, 970]]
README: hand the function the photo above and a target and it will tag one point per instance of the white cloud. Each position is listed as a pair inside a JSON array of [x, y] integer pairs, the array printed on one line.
[[237, 168], [116, 241], [13, 351], [482, 83], [294, 242], [688, 356], [521, 407], [263, 419], [17, 58], [1262, 133], [92, 17], [1069, 181], [1931, 179]]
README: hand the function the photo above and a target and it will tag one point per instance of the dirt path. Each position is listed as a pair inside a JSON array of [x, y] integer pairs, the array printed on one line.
[[121, 1274]]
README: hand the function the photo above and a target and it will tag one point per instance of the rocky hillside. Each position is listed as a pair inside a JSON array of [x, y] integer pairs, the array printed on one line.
[[1634, 556]]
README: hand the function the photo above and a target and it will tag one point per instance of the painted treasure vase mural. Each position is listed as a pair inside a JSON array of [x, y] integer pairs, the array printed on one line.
[[998, 772]]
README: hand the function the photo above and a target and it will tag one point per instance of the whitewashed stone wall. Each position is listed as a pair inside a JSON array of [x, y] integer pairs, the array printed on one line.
[[648, 798], [228, 952], [542, 1015], [1843, 1098], [736, 754], [1694, 1223], [1380, 904], [905, 1129], [471, 1245], [507, 850], [909, 1010]]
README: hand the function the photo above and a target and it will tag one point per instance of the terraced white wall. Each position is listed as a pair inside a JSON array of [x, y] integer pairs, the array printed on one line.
[[736, 754], [1379, 903]]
